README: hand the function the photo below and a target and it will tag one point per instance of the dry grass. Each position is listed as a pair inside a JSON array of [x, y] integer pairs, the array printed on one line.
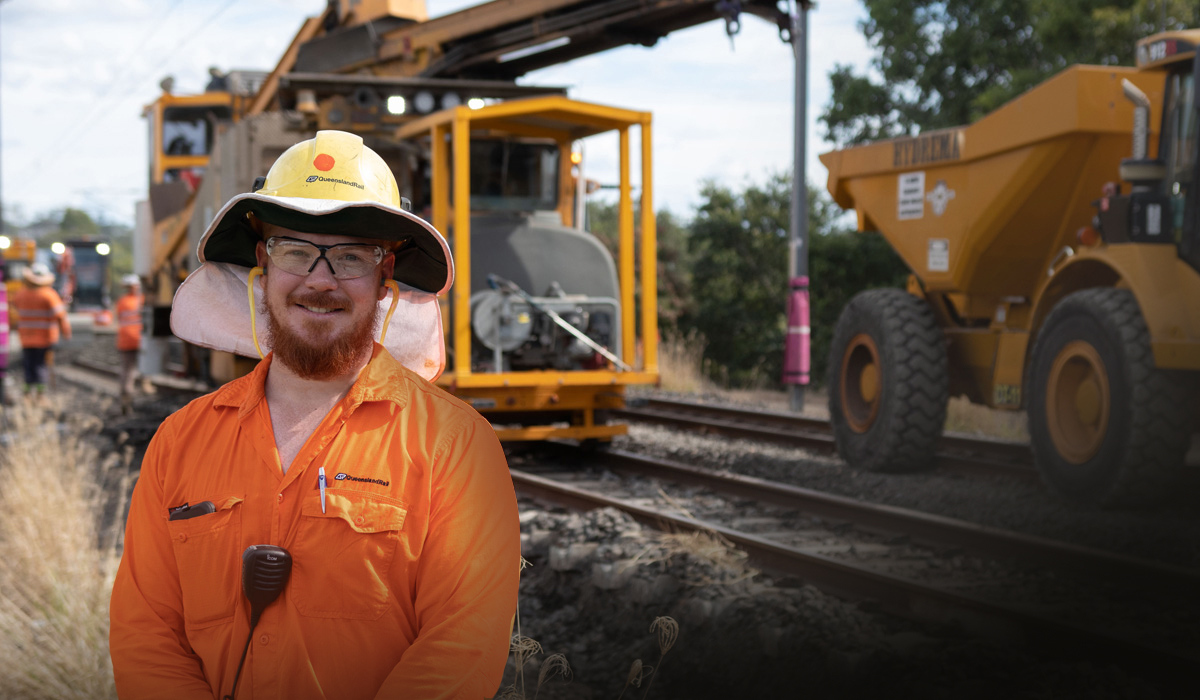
[[57, 560], [718, 554], [680, 363], [668, 631], [962, 416], [523, 650], [726, 560]]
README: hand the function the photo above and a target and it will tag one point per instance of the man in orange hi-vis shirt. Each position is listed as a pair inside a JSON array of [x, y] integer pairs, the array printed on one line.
[[129, 336], [39, 315], [392, 498]]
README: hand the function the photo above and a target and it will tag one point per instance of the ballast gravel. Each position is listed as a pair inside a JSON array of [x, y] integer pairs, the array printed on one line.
[[1169, 532], [598, 581]]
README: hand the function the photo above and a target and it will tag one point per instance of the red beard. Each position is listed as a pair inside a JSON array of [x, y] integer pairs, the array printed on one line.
[[318, 354]]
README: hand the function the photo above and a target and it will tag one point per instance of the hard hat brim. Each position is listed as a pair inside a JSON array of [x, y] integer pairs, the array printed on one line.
[[37, 280], [210, 309], [423, 262]]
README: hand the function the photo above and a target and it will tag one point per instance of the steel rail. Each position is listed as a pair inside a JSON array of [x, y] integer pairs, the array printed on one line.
[[160, 382], [958, 453], [924, 528], [893, 594]]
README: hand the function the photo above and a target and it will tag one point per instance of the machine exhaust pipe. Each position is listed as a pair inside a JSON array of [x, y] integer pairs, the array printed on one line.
[[1141, 118]]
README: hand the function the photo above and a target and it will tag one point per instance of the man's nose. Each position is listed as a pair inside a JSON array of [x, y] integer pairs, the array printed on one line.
[[321, 275]]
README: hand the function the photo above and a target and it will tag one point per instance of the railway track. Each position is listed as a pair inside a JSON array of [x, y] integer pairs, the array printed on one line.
[[915, 565], [103, 378], [957, 453]]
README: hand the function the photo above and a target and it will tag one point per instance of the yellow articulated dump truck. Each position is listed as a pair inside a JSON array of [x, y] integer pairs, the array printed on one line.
[[1054, 269]]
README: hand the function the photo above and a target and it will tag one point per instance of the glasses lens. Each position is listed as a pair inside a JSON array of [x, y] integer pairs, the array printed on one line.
[[295, 257], [348, 260]]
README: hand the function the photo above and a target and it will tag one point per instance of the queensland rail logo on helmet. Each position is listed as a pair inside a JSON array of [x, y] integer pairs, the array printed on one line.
[[323, 167], [330, 184]]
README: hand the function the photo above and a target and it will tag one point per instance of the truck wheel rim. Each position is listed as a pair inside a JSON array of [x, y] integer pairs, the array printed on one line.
[[1077, 402], [861, 386]]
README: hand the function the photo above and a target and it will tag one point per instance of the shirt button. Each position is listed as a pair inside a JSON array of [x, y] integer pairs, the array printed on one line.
[[264, 639], [182, 537], [359, 520], [281, 498]]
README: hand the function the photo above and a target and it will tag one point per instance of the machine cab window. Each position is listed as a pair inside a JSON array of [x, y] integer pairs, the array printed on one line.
[[188, 131], [508, 175], [1179, 145]]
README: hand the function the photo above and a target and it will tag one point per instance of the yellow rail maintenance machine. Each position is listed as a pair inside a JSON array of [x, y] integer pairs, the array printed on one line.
[[544, 366]]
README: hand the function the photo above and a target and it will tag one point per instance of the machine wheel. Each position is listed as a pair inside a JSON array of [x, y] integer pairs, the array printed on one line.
[[1107, 428], [888, 382]]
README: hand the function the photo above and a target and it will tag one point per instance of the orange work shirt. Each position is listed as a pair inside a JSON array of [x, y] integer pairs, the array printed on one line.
[[129, 322], [404, 587], [39, 313]]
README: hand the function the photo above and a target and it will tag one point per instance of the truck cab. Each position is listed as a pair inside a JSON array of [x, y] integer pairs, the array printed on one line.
[[1161, 186]]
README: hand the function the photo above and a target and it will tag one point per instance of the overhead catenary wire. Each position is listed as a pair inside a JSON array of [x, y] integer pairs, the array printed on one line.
[[87, 124], [101, 102]]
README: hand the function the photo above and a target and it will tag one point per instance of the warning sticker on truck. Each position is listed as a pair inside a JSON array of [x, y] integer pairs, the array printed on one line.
[[910, 200], [1153, 220], [939, 255]]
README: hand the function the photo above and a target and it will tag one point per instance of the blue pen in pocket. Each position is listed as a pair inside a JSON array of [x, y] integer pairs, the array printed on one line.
[[321, 485]]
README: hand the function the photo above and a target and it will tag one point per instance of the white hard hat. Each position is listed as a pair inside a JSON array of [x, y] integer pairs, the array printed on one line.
[[38, 274], [131, 281]]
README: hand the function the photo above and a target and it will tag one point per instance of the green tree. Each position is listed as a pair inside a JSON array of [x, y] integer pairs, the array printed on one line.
[[942, 63], [121, 258], [674, 267], [77, 224], [843, 264], [739, 241], [739, 244]]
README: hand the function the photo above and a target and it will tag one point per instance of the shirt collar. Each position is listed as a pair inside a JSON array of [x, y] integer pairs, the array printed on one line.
[[380, 380]]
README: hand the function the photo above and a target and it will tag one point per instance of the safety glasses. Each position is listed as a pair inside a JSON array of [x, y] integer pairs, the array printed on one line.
[[346, 260]]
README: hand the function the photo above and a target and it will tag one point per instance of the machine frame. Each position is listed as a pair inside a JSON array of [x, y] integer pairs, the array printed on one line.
[[512, 396]]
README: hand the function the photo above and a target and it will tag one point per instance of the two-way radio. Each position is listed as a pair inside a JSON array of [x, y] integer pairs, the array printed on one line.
[[265, 572]]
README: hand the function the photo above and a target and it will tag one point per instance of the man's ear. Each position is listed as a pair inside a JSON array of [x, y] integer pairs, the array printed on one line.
[[386, 268], [260, 255]]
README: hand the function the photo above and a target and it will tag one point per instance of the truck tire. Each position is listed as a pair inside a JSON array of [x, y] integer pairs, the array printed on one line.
[[1107, 427], [888, 382]]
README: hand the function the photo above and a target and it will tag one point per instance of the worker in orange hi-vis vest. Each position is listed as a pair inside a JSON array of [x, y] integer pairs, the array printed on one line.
[[129, 336], [39, 314], [3, 338]]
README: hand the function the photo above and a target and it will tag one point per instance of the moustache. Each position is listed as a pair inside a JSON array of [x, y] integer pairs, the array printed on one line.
[[321, 299]]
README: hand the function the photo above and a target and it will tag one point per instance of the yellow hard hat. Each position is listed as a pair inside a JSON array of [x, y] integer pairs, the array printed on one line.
[[335, 165], [332, 184]]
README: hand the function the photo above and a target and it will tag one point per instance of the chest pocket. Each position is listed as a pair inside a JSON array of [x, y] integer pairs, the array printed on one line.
[[341, 558], [208, 553]]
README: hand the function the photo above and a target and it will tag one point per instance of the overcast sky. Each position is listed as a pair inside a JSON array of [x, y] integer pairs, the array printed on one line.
[[75, 74]]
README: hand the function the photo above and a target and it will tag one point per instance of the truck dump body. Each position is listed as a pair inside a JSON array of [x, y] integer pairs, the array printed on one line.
[[982, 210]]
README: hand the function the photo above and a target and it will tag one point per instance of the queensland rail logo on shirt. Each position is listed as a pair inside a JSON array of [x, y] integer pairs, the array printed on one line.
[[343, 476]]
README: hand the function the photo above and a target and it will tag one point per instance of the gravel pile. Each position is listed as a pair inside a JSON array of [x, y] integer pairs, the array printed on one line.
[[597, 581]]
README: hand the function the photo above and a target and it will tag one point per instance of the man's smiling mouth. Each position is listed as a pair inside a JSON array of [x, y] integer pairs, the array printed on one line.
[[319, 309]]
